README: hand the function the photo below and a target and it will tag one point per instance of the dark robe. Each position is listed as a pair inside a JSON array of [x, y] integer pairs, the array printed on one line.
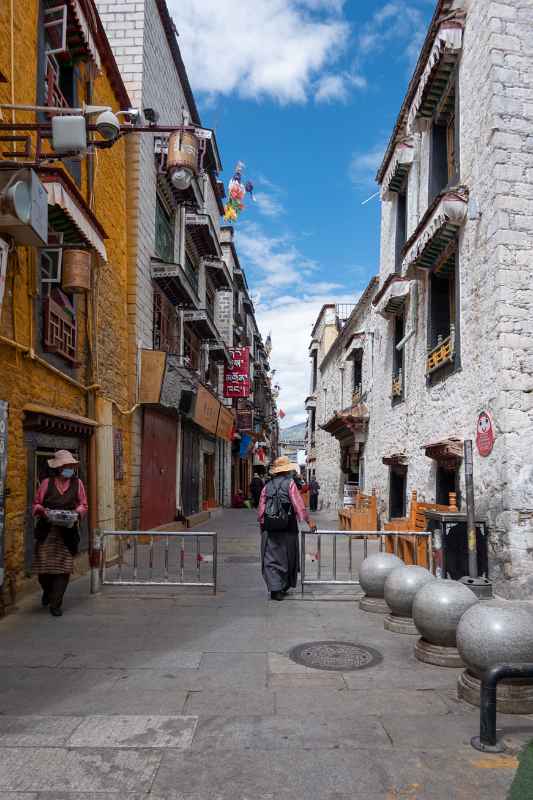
[[280, 551]]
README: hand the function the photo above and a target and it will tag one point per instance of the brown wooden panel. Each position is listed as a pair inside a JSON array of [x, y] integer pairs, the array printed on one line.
[[158, 469], [152, 374]]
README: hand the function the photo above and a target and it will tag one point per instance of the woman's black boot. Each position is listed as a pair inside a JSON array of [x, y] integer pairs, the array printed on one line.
[[276, 595]]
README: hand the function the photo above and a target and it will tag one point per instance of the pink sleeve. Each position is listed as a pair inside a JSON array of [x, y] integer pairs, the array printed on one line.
[[298, 503], [37, 508], [82, 506], [261, 508]]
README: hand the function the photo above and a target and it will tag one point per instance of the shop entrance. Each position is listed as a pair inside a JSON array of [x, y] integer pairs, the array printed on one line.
[[158, 469]]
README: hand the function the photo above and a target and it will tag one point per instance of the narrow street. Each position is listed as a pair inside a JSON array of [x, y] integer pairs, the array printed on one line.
[[174, 695]]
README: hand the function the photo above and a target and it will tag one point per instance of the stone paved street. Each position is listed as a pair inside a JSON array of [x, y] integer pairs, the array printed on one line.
[[169, 695]]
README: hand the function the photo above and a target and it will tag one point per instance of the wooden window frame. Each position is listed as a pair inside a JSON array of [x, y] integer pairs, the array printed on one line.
[[166, 327], [164, 221], [454, 305], [59, 331], [444, 160]]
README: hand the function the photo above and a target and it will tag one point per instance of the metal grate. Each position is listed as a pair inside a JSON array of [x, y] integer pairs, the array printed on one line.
[[335, 656]]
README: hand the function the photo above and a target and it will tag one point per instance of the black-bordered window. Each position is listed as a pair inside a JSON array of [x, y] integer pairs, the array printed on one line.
[[397, 393], [401, 227], [443, 318], [444, 168], [397, 491]]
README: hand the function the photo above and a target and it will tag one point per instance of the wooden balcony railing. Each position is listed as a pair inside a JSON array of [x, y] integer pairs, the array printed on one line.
[[357, 395], [442, 353]]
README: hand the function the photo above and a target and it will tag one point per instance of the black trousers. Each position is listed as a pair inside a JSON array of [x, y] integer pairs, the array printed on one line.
[[54, 587], [313, 502]]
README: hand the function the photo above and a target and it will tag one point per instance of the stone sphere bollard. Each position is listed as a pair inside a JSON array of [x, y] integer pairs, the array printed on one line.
[[437, 608], [372, 575], [401, 587], [491, 633]]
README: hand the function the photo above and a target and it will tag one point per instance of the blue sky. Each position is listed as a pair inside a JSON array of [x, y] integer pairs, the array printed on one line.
[[306, 93]]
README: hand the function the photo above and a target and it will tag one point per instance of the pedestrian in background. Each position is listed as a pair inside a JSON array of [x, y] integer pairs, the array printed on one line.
[[55, 545], [314, 490], [280, 508], [256, 487]]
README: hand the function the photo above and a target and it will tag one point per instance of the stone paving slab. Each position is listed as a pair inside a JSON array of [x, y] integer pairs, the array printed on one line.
[[60, 770], [230, 702], [332, 680], [141, 659], [305, 703], [36, 731], [286, 733], [135, 732]]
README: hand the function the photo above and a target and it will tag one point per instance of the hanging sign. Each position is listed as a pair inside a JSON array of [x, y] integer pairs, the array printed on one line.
[[206, 410], [237, 375], [3, 471], [245, 421], [485, 435]]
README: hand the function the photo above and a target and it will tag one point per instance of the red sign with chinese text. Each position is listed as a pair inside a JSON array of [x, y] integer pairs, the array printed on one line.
[[237, 376], [485, 435]]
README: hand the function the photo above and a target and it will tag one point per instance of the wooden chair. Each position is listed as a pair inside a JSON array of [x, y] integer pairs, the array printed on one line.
[[363, 516], [416, 521]]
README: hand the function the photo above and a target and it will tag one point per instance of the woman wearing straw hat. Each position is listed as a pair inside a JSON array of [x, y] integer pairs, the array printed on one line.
[[280, 508], [56, 545]]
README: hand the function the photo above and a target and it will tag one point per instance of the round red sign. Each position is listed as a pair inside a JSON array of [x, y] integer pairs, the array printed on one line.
[[485, 434]]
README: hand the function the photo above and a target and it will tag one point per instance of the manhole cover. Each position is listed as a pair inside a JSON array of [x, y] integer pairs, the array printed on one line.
[[339, 656]]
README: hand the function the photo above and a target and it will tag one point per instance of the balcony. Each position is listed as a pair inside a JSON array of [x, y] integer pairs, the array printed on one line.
[[443, 353], [220, 351], [202, 231], [219, 273], [202, 323], [357, 395], [175, 282]]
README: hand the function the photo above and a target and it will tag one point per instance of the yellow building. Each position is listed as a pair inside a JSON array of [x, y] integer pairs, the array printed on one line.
[[64, 371]]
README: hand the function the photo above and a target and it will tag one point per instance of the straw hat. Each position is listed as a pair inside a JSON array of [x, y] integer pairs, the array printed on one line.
[[62, 458], [282, 464]]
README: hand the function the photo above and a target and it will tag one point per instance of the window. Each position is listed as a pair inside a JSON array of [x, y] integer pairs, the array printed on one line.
[[59, 330], [191, 348], [397, 491], [446, 483], [191, 272], [442, 322], [444, 154], [164, 232], [357, 377], [210, 301], [397, 359], [401, 226], [166, 328], [314, 371]]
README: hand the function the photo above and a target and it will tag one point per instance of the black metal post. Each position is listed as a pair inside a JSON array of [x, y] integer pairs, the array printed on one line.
[[487, 741]]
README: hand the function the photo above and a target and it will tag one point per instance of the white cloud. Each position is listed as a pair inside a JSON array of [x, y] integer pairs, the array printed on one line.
[[363, 166], [337, 87], [393, 24], [291, 320], [268, 205], [274, 48]]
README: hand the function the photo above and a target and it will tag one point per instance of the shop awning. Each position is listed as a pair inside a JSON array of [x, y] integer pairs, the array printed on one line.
[[399, 166], [346, 423], [394, 297], [441, 62], [55, 420], [395, 460], [59, 196], [437, 229]]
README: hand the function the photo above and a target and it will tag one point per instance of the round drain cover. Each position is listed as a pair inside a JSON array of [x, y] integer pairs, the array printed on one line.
[[339, 656]]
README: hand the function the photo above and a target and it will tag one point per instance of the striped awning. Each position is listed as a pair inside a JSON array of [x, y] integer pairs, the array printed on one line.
[[434, 234], [399, 166], [441, 62], [58, 195]]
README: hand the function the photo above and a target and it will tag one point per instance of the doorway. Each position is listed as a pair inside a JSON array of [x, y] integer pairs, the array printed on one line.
[[208, 486], [158, 469]]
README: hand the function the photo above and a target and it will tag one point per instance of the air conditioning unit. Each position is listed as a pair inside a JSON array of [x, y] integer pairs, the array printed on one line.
[[23, 207]]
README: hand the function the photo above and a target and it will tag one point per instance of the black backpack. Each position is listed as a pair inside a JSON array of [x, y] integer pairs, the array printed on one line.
[[277, 512]]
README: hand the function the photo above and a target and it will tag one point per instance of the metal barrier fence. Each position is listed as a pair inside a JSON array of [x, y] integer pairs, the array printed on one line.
[[365, 536], [184, 570]]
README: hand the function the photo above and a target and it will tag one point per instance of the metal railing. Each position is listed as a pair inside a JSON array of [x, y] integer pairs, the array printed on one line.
[[377, 536], [165, 565], [487, 741]]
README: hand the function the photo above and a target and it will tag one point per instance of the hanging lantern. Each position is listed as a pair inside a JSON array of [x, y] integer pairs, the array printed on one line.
[[76, 271], [182, 158]]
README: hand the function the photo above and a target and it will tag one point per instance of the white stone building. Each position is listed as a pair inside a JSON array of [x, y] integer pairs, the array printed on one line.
[[184, 284], [452, 320]]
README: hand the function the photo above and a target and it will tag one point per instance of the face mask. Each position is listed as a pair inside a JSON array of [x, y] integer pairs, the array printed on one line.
[[67, 472]]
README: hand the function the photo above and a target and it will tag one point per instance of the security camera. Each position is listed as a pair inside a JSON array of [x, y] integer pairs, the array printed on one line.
[[108, 125]]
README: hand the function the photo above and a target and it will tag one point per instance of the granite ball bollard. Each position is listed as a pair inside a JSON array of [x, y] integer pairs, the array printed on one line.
[[496, 632], [437, 608], [372, 575], [401, 587]]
